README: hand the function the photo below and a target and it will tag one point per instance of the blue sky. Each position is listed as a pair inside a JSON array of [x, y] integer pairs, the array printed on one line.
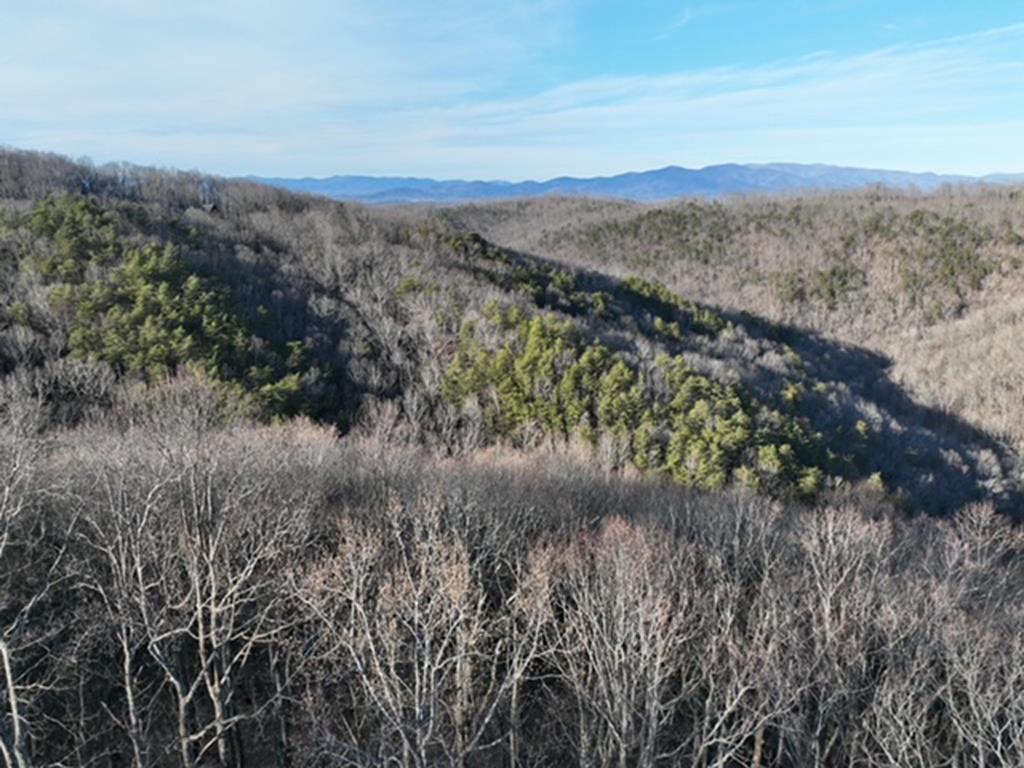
[[516, 89]]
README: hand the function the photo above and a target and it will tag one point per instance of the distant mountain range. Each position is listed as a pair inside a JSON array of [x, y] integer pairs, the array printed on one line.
[[645, 186]]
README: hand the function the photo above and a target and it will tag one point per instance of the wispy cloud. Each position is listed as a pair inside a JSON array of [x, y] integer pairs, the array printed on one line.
[[692, 13], [397, 87], [882, 107], [684, 18]]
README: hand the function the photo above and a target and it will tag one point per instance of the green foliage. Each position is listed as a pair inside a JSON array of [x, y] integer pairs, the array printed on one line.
[[549, 287], [832, 286], [620, 399], [143, 312], [297, 287], [950, 256], [150, 316], [472, 246], [562, 282], [502, 316], [19, 313], [602, 303], [672, 310], [283, 396], [543, 285], [793, 393], [710, 428], [668, 330], [410, 285], [877, 483], [811, 481], [80, 235], [548, 381], [299, 354], [688, 231], [882, 224]]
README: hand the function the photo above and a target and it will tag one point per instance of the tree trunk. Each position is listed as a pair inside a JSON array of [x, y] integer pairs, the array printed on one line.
[[281, 738], [184, 742], [513, 732], [755, 761], [128, 678], [16, 754]]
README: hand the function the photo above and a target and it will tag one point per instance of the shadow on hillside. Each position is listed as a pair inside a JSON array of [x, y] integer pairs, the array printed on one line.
[[272, 304], [935, 460], [941, 461]]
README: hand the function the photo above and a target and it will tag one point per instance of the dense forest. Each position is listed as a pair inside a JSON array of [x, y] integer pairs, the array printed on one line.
[[292, 482]]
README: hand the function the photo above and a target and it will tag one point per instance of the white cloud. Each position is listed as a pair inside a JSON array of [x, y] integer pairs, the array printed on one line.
[[335, 86], [723, 114], [692, 13]]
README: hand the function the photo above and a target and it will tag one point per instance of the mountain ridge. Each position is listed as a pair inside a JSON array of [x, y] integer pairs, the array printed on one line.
[[655, 185]]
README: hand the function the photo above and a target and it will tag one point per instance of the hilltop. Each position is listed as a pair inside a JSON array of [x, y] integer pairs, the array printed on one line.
[[660, 185]]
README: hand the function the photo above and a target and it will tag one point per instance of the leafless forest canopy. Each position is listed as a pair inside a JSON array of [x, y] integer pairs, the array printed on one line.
[[289, 482]]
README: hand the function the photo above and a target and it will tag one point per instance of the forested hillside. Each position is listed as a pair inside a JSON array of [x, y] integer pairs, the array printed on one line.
[[932, 283], [285, 481], [297, 306], [663, 184]]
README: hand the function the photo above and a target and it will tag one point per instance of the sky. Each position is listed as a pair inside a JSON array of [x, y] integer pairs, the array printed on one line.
[[517, 89]]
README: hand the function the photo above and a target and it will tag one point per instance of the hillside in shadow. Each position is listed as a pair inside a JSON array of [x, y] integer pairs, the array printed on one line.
[[405, 322], [932, 459]]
